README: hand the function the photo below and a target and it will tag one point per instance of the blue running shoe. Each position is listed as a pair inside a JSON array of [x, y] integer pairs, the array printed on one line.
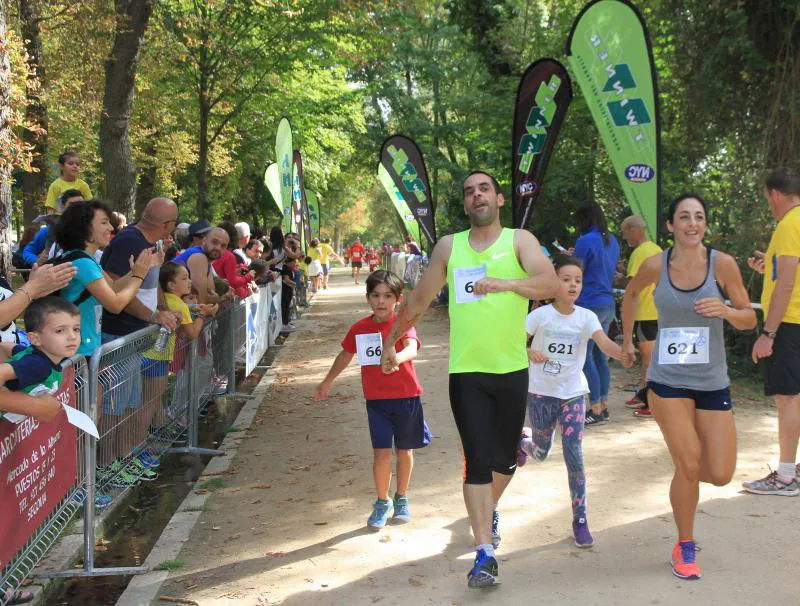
[[580, 530], [381, 512], [496, 538], [484, 571], [402, 515], [148, 460], [101, 501]]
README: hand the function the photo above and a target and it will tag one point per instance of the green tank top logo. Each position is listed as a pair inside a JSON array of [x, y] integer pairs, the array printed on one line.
[[487, 332]]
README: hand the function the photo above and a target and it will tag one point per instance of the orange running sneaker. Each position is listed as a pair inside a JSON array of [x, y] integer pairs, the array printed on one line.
[[684, 565]]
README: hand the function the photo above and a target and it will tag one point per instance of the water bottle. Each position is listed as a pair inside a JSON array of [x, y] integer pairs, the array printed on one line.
[[162, 340]]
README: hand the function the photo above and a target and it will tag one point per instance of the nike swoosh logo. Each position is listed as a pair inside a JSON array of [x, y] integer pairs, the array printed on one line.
[[495, 256]]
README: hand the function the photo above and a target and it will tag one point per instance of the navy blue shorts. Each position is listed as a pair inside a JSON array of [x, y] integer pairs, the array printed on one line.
[[400, 419], [719, 399]]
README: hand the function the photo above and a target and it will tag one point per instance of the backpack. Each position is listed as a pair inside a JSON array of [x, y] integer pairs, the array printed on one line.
[[67, 258]]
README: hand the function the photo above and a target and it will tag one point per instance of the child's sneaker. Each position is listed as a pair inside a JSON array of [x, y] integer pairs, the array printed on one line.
[[496, 538], [101, 501], [773, 485], [484, 571], [381, 511], [684, 564], [402, 515], [522, 452], [580, 530]]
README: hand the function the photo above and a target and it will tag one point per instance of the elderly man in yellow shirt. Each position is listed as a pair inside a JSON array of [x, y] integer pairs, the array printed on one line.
[[634, 231]]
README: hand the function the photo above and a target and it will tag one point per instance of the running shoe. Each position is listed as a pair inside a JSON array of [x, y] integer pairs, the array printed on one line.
[[402, 514], [381, 512], [522, 454], [684, 565], [101, 501], [606, 415], [593, 419], [634, 402], [773, 485], [580, 530], [148, 459], [496, 538], [643, 413], [120, 477], [484, 571], [137, 468]]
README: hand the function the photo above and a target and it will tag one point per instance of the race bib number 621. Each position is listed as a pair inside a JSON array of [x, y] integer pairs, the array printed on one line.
[[683, 345]]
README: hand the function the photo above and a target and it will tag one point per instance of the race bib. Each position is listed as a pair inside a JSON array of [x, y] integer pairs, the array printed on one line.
[[356, 256], [561, 346], [683, 345], [369, 348], [464, 279]]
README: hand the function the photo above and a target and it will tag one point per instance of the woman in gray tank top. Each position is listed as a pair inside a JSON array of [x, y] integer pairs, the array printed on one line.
[[687, 382]]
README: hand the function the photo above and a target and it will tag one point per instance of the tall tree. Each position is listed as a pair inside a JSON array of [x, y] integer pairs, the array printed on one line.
[[132, 17], [33, 182], [9, 144]]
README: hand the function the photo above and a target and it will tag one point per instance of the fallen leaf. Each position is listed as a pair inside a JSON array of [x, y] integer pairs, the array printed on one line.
[[320, 523], [262, 486], [201, 491], [275, 554], [215, 528], [385, 538], [415, 583]]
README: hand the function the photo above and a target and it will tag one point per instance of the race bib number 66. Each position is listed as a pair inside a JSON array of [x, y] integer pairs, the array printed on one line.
[[369, 348], [464, 279]]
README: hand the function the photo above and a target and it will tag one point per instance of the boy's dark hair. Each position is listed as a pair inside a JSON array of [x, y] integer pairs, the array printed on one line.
[[221, 287], [68, 153], [307, 260], [383, 276], [259, 266], [490, 175], [71, 193], [167, 274], [560, 261], [252, 242], [73, 228], [39, 310]]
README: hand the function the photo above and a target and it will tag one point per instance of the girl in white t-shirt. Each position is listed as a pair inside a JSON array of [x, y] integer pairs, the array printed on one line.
[[557, 387]]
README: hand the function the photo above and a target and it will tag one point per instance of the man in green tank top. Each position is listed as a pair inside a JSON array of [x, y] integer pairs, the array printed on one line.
[[491, 273]]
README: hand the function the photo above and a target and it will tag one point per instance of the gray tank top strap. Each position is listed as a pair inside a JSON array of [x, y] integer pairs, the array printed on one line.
[[690, 349]]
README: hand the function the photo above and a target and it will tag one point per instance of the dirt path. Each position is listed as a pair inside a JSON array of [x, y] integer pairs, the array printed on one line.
[[289, 525]]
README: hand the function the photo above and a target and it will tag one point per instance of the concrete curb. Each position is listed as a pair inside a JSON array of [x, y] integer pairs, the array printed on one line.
[[144, 588]]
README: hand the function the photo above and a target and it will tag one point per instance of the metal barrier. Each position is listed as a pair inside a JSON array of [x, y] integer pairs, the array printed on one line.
[[142, 402]]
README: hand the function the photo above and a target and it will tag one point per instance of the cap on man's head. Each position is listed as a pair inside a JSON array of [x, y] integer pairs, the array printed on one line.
[[199, 228], [182, 226]]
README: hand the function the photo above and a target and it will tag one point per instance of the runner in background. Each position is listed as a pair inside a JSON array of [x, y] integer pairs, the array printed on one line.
[[327, 252], [491, 273], [778, 347], [357, 252], [688, 377], [634, 231]]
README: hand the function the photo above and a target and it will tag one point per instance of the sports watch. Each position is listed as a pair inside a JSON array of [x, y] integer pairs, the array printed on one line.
[[770, 334]]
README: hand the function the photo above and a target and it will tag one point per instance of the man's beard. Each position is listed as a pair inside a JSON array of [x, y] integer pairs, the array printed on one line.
[[482, 221]]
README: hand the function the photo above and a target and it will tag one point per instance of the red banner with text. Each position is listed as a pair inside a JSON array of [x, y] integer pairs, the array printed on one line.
[[37, 467]]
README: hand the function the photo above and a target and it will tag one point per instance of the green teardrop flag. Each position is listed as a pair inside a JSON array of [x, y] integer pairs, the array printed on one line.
[[272, 180], [410, 223], [610, 54], [283, 153]]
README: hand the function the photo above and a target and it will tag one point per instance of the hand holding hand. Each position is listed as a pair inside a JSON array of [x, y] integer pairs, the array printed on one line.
[[628, 355], [762, 348], [389, 360]]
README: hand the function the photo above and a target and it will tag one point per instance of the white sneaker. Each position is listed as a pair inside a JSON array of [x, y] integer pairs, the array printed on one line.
[[289, 327]]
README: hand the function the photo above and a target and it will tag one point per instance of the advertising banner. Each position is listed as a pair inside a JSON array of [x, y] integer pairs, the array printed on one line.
[[257, 313], [610, 54], [543, 97], [299, 199], [272, 179], [411, 227], [402, 159], [37, 470], [283, 153], [314, 217]]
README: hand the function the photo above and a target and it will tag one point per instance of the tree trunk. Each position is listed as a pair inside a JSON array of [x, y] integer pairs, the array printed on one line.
[[202, 156], [6, 137], [118, 166], [34, 183]]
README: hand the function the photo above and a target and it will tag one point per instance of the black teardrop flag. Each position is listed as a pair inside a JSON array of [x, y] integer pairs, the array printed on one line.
[[542, 99], [403, 161]]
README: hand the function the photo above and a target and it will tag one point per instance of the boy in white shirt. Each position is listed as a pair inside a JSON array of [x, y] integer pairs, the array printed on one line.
[[557, 387]]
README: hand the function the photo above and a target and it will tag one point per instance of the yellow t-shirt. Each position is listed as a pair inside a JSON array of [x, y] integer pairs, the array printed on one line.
[[645, 305], [785, 242], [174, 303], [59, 186], [325, 250], [315, 254]]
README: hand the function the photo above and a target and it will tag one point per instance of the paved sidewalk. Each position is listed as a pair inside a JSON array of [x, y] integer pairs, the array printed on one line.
[[288, 526]]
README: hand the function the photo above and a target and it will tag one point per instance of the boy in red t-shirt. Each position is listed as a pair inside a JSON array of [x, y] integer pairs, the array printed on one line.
[[357, 251], [372, 259], [394, 407]]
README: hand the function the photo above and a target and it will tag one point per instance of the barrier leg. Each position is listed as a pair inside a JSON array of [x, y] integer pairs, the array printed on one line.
[[194, 405]]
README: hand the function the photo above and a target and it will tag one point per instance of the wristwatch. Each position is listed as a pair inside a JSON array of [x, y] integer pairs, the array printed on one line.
[[768, 333]]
